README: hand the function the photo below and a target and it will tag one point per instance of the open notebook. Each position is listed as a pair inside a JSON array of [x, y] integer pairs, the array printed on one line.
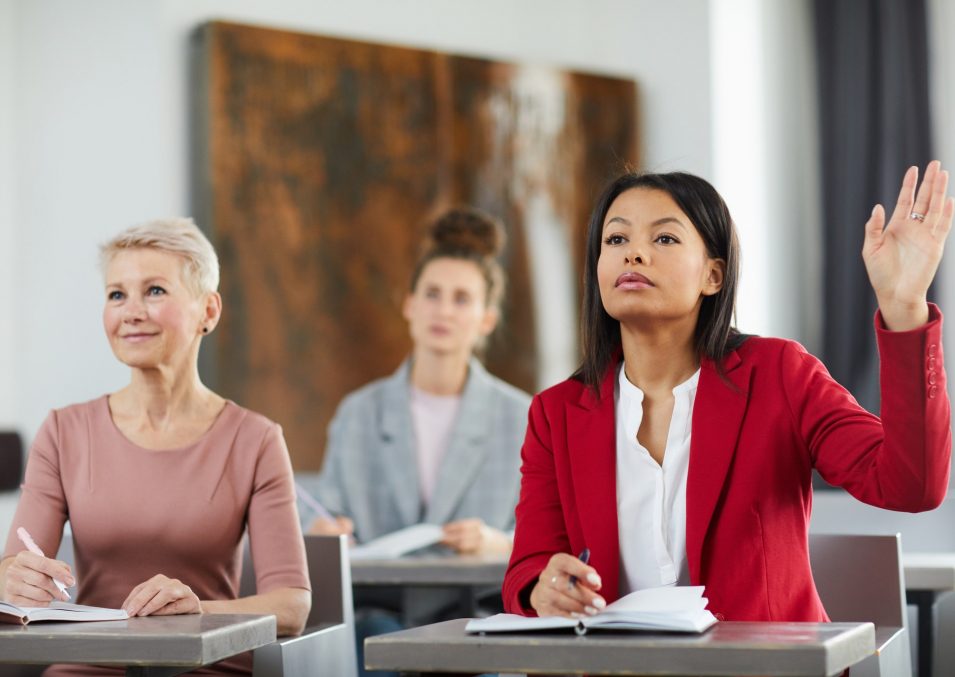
[[668, 609], [57, 611]]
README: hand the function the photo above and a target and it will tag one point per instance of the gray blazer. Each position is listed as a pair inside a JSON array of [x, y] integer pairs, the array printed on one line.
[[370, 469]]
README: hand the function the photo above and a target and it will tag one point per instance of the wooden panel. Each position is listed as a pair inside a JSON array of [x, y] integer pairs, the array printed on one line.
[[320, 161]]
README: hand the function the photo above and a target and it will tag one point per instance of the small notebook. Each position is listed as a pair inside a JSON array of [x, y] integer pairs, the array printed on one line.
[[398, 543], [667, 609], [57, 611]]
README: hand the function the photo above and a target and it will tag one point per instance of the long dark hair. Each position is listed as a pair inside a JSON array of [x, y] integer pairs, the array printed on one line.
[[715, 335]]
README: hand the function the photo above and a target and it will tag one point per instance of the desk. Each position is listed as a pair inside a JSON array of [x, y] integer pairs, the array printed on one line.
[[151, 645], [431, 570], [469, 574], [793, 649], [927, 575]]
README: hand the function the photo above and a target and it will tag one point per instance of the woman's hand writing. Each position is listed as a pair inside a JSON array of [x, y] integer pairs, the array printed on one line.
[[28, 580], [162, 596], [902, 257], [555, 594]]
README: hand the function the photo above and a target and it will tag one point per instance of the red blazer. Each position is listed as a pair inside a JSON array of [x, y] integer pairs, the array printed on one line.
[[756, 436]]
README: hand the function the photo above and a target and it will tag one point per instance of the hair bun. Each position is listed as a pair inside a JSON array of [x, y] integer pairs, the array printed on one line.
[[467, 231]]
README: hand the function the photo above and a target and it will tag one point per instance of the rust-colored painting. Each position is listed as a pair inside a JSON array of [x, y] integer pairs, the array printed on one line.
[[318, 164]]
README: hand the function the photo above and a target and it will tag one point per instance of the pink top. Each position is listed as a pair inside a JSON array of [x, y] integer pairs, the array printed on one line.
[[433, 417], [181, 512]]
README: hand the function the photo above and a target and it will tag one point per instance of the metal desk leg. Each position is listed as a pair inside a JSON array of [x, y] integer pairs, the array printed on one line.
[[924, 601]]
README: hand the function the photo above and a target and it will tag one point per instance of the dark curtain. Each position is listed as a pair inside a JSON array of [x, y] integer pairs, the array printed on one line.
[[872, 58]]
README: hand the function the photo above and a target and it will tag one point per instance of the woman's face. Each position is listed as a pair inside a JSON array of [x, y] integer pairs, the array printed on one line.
[[447, 312], [653, 264], [152, 317]]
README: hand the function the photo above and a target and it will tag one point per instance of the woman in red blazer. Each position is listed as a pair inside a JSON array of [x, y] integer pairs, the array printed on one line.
[[660, 286]]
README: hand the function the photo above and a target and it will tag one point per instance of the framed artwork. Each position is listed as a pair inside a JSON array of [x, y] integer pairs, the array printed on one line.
[[318, 164]]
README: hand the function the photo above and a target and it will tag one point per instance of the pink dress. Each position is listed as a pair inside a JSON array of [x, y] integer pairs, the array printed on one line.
[[136, 512]]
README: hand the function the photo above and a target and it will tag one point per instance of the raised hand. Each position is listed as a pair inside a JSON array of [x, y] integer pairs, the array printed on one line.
[[902, 257]]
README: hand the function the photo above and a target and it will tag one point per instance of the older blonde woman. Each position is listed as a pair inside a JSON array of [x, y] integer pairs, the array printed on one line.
[[160, 479]]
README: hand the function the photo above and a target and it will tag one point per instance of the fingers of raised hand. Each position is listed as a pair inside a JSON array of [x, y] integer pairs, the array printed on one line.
[[906, 201], [928, 208], [874, 227], [935, 213], [926, 190], [944, 225]]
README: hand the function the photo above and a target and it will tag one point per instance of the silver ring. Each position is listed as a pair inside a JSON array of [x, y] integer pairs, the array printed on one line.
[[917, 216]]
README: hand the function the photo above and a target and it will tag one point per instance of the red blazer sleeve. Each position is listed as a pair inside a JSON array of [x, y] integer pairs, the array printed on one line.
[[900, 462], [540, 531]]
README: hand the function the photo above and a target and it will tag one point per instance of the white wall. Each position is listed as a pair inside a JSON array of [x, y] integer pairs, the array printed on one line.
[[8, 289], [766, 160], [101, 128]]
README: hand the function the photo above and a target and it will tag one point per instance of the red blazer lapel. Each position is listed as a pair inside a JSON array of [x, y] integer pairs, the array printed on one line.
[[591, 448], [717, 417]]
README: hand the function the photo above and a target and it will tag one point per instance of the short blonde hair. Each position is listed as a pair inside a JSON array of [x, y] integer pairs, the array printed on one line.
[[179, 236]]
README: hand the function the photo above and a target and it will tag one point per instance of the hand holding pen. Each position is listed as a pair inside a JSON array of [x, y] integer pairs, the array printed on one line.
[[35, 580], [568, 586]]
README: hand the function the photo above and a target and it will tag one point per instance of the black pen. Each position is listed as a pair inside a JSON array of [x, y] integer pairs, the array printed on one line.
[[584, 557]]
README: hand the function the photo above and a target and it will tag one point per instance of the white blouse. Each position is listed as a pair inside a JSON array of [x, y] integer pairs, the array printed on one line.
[[651, 499]]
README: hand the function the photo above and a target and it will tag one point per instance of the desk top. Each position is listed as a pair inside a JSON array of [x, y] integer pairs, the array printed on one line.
[[793, 649], [189, 640], [929, 571], [436, 570]]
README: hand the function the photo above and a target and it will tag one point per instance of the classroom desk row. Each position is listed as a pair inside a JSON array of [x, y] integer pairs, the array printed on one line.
[[166, 646], [174, 644], [927, 576]]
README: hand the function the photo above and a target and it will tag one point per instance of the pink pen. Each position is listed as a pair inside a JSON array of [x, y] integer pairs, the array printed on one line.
[[31, 545]]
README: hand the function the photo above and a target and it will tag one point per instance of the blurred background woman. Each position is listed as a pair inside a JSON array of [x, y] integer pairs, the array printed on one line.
[[161, 479], [439, 440]]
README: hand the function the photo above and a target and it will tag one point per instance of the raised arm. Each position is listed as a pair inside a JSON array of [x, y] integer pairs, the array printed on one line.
[[902, 257]]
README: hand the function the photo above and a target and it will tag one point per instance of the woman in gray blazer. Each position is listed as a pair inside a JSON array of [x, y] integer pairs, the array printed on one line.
[[439, 440]]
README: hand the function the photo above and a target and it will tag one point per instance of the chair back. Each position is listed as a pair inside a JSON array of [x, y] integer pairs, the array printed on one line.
[[327, 645], [329, 571], [860, 577], [11, 460]]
